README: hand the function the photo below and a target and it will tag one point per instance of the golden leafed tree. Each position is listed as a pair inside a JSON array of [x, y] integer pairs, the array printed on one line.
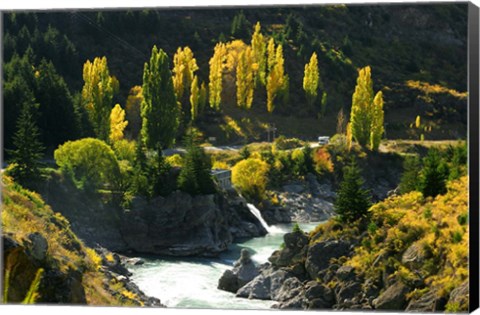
[[244, 82], [184, 67], [366, 117], [276, 79], [117, 123], [215, 77], [311, 78], [377, 128], [132, 111], [97, 95], [259, 49], [194, 98]]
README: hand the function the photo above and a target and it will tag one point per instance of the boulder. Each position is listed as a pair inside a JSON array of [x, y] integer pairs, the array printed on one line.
[[394, 298], [265, 286], [243, 272], [318, 296], [294, 251], [345, 273], [291, 288], [38, 246], [414, 256], [320, 254], [428, 302], [258, 288], [460, 297]]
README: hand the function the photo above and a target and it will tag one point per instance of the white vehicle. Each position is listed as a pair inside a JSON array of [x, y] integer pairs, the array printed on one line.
[[323, 140]]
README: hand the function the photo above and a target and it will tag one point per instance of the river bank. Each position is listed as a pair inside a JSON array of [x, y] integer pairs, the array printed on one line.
[[192, 282]]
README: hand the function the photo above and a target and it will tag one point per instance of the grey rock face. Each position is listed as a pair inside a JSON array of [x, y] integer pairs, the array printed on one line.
[[39, 246], [394, 298], [320, 254], [243, 272]]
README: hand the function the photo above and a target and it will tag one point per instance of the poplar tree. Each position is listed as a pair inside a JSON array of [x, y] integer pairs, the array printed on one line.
[[215, 77], [97, 95], [270, 54], [259, 49], [117, 123], [159, 110], [194, 98], [184, 67], [244, 81], [311, 78], [132, 110], [366, 117], [276, 80], [202, 100], [362, 98], [377, 128]]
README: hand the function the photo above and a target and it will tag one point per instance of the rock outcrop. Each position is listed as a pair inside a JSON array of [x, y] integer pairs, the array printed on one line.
[[244, 270], [176, 225]]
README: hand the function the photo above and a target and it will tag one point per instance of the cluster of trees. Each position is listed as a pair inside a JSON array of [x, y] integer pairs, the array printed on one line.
[[430, 174], [271, 166]]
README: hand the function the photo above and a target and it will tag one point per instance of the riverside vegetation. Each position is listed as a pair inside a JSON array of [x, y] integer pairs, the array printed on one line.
[[91, 176]]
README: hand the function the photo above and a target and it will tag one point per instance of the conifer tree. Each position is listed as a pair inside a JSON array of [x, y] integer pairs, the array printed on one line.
[[195, 177], [184, 68], [244, 82], [311, 78], [409, 180], [434, 174], [215, 78], [353, 200], [117, 123], [97, 95], [194, 98], [259, 49], [377, 129], [159, 108], [28, 148]]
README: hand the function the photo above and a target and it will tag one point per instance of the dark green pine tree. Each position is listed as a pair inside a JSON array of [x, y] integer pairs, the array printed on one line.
[[353, 200], [28, 148], [434, 174], [159, 109], [409, 179], [195, 177]]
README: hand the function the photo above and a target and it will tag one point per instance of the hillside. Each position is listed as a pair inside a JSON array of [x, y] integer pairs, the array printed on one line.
[[45, 262], [417, 54], [411, 254]]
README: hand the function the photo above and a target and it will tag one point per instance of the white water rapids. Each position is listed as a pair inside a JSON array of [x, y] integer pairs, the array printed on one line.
[[192, 282]]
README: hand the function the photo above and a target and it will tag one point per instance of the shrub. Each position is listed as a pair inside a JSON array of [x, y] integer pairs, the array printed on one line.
[[282, 143], [322, 161], [175, 160], [250, 177], [89, 162]]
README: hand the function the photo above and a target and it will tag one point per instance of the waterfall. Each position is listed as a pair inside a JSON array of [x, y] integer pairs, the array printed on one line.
[[258, 215]]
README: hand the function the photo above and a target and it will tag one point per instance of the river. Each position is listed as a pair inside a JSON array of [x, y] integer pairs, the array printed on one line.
[[192, 282]]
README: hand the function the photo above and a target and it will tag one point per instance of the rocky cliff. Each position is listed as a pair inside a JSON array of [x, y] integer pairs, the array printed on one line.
[[176, 225]]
